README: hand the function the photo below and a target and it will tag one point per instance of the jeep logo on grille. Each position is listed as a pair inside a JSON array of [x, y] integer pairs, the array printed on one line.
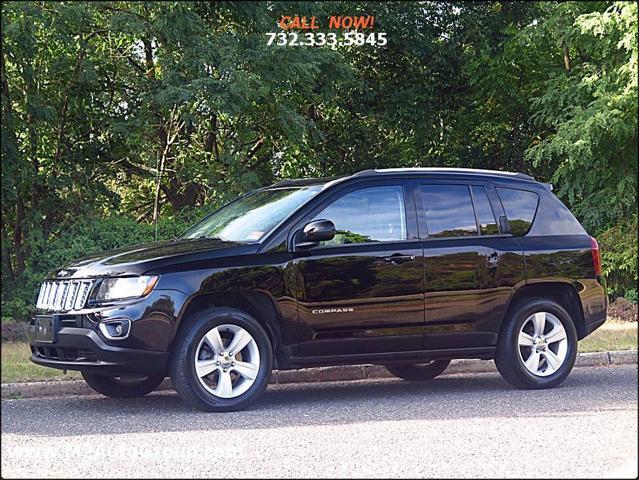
[[331, 310], [65, 273]]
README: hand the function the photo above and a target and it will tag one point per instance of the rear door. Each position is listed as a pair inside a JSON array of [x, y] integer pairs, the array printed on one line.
[[471, 266]]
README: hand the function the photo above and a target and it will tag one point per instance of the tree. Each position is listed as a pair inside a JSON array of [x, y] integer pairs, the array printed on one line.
[[589, 112], [121, 113]]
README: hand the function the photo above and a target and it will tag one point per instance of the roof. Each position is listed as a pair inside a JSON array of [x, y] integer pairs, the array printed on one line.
[[415, 171]]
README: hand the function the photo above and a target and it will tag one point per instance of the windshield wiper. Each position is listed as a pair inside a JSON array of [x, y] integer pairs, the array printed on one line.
[[212, 237]]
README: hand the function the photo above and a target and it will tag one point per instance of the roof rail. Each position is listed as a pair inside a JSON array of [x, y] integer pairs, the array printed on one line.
[[369, 171], [470, 171], [301, 181]]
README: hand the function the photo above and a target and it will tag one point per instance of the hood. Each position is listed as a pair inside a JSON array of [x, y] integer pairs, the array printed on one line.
[[139, 259]]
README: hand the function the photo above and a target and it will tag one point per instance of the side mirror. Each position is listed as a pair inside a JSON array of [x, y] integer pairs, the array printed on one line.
[[504, 226], [315, 232]]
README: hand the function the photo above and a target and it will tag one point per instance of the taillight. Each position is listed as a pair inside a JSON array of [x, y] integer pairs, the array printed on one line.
[[596, 255]]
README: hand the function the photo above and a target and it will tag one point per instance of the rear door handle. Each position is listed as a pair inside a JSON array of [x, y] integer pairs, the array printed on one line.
[[492, 260], [398, 258]]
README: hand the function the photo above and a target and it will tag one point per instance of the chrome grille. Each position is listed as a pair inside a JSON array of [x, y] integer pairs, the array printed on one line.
[[64, 295]]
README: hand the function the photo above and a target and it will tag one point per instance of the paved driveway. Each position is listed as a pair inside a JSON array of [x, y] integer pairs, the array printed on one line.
[[458, 425]]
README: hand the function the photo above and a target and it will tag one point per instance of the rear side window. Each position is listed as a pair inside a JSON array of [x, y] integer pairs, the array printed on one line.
[[449, 210], [520, 207], [484, 212]]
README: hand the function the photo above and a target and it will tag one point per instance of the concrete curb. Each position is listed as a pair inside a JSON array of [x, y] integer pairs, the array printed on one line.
[[312, 375]]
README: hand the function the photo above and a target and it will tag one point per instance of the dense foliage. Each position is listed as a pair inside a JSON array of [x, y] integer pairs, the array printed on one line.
[[116, 114]]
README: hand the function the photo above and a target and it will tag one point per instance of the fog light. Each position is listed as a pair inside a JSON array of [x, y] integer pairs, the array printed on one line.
[[116, 328]]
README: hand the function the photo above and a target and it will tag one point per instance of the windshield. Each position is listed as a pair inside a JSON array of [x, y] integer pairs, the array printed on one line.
[[251, 217]]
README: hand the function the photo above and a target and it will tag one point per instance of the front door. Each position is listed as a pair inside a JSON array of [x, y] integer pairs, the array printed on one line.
[[362, 292]]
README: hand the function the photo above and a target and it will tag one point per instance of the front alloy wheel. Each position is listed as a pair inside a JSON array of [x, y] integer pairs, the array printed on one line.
[[418, 372], [123, 386], [227, 361], [221, 360]]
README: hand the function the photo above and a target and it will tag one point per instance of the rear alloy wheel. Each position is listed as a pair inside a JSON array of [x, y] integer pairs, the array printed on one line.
[[123, 386], [537, 346], [221, 360], [543, 344], [418, 372]]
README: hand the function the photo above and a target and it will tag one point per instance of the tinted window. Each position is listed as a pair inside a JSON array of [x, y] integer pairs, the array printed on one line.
[[251, 217], [484, 212], [554, 218], [449, 210], [374, 214], [520, 207]]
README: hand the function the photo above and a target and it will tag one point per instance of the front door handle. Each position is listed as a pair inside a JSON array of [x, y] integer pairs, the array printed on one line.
[[398, 258], [492, 260]]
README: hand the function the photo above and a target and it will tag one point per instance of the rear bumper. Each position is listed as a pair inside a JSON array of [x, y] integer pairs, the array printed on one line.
[[592, 326], [82, 349], [595, 305]]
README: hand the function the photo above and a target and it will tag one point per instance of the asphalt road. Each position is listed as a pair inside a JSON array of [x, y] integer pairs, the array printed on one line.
[[458, 425]]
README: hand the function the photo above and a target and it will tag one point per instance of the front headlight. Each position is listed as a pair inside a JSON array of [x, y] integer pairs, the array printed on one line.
[[125, 288]]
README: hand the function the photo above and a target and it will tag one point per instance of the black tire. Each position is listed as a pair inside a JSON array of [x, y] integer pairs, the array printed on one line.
[[508, 359], [125, 386], [418, 372], [182, 368]]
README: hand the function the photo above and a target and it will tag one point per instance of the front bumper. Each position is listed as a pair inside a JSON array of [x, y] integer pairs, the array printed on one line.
[[83, 349], [80, 345]]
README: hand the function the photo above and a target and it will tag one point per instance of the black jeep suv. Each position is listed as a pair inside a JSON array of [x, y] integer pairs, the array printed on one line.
[[408, 268]]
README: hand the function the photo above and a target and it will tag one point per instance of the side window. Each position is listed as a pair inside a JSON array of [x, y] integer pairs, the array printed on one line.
[[520, 207], [449, 210], [484, 212], [374, 214]]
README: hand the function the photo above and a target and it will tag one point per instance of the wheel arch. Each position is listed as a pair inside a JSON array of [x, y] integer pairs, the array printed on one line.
[[564, 293], [256, 303]]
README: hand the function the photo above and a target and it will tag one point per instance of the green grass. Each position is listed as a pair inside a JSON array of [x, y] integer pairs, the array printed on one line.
[[613, 335], [16, 366]]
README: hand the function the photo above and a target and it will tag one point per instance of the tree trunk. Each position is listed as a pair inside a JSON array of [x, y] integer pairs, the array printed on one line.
[[210, 143], [7, 268], [17, 236], [567, 62], [156, 201], [8, 126]]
